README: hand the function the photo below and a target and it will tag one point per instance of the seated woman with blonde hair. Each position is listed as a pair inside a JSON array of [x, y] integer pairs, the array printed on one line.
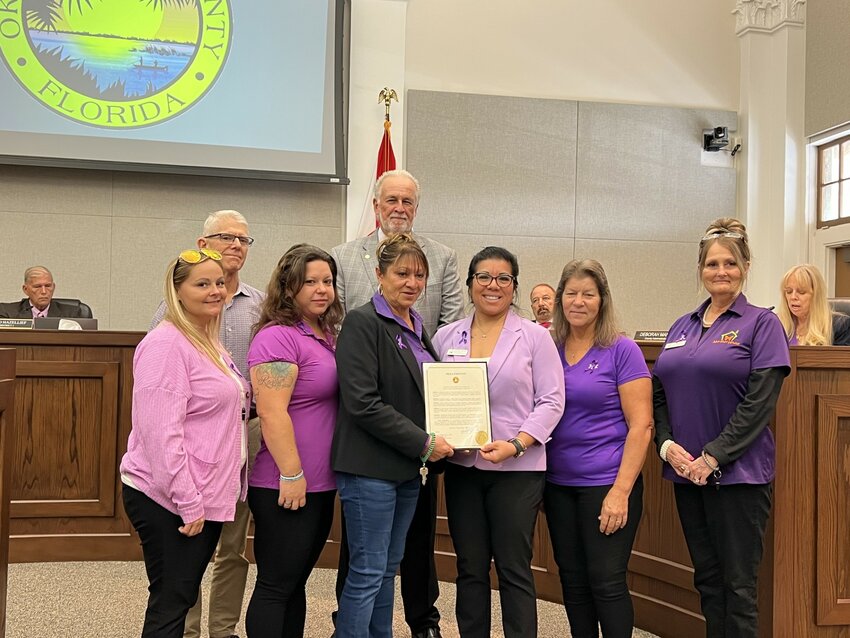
[[805, 313]]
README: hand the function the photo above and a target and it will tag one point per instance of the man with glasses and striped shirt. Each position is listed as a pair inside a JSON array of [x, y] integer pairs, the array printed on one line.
[[226, 231]]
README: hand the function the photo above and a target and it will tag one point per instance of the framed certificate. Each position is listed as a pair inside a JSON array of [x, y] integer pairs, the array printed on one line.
[[457, 402]]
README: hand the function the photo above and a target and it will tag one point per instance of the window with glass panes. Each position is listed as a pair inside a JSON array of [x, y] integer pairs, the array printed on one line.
[[834, 183]]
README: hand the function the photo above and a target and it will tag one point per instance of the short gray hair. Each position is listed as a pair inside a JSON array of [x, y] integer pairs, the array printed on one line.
[[32, 271], [398, 172], [213, 220]]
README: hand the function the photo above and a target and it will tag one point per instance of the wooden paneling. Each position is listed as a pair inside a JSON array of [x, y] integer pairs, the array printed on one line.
[[72, 411], [64, 459], [833, 478], [7, 437], [809, 531]]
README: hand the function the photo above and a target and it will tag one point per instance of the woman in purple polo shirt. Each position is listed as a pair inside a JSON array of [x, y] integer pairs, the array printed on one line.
[[715, 386], [292, 488], [493, 495], [594, 491]]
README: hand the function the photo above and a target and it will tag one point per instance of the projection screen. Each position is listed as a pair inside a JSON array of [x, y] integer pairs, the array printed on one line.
[[252, 88]]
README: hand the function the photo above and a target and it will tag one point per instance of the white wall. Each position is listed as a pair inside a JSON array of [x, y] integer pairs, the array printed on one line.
[[666, 52]]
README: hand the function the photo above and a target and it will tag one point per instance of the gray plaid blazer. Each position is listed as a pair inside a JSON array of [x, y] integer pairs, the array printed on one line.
[[356, 282]]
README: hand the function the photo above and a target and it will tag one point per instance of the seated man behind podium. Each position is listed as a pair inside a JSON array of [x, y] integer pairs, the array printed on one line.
[[38, 288]]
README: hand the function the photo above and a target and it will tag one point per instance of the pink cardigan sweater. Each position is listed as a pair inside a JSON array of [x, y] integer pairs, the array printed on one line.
[[185, 448]]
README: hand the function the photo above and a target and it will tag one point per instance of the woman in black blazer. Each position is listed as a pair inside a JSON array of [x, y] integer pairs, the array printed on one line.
[[381, 449]]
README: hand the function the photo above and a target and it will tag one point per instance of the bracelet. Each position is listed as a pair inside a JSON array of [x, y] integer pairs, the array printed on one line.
[[295, 477], [518, 446], [664, 447], [710, 467], [430, 449]]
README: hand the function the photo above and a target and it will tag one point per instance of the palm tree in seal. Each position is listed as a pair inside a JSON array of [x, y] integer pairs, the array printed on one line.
[[44, 14]]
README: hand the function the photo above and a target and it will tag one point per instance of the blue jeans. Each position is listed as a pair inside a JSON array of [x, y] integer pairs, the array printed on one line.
[[377, 516]]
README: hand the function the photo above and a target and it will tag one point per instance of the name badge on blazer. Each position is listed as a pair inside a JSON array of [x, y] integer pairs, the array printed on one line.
[[457, 352]]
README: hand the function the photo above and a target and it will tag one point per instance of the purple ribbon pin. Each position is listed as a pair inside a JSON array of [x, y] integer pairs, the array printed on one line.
[[463, 337], [400, 342]]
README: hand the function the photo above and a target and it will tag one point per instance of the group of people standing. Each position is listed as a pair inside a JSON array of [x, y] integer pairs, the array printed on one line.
[[334, 361]]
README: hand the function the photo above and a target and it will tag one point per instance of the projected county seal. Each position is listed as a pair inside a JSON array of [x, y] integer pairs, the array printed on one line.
[[116, 64]]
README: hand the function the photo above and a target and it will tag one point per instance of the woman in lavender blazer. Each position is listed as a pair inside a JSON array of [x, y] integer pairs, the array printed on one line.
[[493, 495]]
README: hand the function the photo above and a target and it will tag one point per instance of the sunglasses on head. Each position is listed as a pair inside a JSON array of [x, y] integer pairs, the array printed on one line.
[[197, 256]]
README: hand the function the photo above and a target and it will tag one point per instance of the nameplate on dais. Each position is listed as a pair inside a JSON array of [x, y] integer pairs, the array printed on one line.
[[18, 324]]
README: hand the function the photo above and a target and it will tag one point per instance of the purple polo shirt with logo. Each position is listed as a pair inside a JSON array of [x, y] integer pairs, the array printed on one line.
[[587, 445], [312, 407], [706, 378]]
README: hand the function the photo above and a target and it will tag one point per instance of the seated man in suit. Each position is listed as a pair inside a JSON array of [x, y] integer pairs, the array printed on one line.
[[38, 288]]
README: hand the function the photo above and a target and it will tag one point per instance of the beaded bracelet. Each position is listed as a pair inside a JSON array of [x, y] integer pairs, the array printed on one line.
[[664, 447], [295, 477], [711, 467]]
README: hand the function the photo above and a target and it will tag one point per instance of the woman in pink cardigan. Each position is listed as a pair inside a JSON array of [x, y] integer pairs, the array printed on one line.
[[185, 463]]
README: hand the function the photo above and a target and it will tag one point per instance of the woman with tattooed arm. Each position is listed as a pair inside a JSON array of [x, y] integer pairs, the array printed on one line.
[[291, 488]]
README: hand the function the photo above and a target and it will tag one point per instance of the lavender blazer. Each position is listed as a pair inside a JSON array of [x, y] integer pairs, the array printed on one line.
[[526, 386]]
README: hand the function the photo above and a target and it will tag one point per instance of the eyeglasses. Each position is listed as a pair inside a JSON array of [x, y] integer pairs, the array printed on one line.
[[197, 256], [503, 280], [227, 238], [721, 233]]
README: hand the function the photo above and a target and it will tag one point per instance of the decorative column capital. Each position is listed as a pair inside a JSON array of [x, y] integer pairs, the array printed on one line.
[[767, 16]]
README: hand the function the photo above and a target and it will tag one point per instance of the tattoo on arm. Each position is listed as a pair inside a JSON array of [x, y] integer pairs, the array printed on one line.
[[276, 375]]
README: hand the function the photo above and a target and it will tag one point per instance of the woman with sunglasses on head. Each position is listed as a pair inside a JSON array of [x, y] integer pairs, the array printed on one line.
[[292, 487], [186, 456], [594, 492], [715, 387], [493, 494], [805, 313]]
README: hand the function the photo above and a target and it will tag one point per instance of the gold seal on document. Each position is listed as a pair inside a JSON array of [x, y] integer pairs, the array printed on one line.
[[481, 437]]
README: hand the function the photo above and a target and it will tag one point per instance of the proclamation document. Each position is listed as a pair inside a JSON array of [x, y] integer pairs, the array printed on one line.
[[457, 402]]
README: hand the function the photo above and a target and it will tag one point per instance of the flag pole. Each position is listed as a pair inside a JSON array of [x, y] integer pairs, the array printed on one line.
[[386, 162]]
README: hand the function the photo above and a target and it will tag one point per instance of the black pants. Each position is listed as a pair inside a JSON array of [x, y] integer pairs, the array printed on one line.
[[492, 516], [174, 563], [419, 587], [591, 565], [724, 529], [287, 545]]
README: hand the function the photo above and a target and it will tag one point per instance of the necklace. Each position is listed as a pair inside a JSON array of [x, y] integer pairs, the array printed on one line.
[[483, 335], [577, 350], [705, 322]]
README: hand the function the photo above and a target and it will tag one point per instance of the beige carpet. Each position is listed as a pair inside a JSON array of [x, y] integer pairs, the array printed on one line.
[[107, 600]]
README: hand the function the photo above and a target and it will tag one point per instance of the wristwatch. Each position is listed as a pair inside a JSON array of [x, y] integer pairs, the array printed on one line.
[[520, 448]]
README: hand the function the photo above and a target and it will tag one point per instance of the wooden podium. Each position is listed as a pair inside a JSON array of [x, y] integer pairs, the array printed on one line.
[[72, 412], [7, 437]]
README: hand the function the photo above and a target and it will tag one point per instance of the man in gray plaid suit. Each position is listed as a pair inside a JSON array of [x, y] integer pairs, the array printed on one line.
[[396, 200]]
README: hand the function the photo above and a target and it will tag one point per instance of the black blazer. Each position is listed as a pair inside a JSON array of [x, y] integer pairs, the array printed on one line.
[[380, 426], [840, 329], [22, 310]]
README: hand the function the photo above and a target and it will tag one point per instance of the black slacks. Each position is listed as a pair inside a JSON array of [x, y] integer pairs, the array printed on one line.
[[492, 516], [287, 545], [724, 529], [419, 586], [592, 566], [174, 563]]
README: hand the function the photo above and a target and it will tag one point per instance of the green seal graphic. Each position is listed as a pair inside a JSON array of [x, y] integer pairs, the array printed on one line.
[[116, 64]]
